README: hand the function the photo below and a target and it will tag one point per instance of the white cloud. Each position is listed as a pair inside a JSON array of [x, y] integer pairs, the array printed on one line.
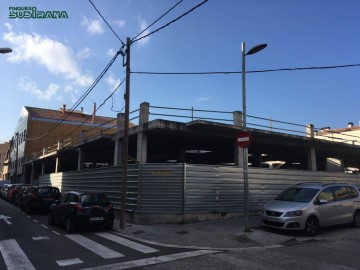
[[8, 26], [93, 27], [29, 86], [142, 26], [111, 52], [120, 23], [112, 82], [55, 56], [84, 53]]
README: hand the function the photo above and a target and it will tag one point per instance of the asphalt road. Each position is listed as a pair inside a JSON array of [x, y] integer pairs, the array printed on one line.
[[27, 242]]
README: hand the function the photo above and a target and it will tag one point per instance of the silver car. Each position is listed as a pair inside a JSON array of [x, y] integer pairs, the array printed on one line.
[[309, 206]]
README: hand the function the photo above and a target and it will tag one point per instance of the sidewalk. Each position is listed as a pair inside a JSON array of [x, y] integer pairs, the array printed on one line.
[[215, 234]]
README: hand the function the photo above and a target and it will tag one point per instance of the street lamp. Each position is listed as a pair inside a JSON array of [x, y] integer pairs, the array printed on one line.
[[253, 50], [5, 50]]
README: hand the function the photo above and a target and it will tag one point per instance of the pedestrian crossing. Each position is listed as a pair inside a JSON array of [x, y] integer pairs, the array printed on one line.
[[15, 258]]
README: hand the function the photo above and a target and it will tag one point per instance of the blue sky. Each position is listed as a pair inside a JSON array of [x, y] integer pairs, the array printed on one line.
[[54, 61]]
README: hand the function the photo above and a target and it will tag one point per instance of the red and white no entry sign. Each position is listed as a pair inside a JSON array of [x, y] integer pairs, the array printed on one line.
[[244, 139]]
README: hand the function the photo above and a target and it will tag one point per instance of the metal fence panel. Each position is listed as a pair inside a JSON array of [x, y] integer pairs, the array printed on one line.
[[184, 188], [161, 188], [107, 180]]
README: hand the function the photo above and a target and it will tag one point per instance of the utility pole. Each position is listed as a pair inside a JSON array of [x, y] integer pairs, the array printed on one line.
[[125, 140]]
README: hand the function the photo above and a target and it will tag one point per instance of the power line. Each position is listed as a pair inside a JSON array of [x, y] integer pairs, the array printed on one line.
[[82, 98], [239, 72], [113, 92], [106, 22], [157, 19], [169, 23]]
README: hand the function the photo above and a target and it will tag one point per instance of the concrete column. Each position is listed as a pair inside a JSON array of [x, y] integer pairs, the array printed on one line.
[[310, 131], [118, 153], [312, 159], [43, 168], [57, 165], [144, 113], [239, 155], [237, 118], [80, 159], [141, 151]]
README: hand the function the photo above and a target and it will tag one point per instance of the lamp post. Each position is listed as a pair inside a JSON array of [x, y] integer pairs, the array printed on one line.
[[253, 50], [5, 50]]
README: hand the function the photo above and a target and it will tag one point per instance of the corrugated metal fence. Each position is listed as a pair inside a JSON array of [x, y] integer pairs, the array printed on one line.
[[184, 188]]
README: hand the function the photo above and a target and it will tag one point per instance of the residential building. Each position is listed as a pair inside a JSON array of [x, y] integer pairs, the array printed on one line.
[[3, 151], [41, 131]]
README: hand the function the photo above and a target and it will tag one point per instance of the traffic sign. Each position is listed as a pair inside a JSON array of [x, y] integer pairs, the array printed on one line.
[[244, 139]]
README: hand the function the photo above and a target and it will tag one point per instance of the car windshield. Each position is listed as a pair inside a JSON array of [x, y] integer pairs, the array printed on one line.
[[295, 194], [94, 199]]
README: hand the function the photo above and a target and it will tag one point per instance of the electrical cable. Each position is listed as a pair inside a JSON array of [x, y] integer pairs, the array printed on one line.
[[113, 92], [169, 23], [239, 72], [82, 98], [157, 19], [107, 23]]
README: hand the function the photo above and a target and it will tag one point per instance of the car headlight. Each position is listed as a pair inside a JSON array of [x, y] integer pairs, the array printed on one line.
[[296, 213]]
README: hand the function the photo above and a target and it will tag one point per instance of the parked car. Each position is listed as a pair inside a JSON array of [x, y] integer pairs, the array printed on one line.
[[4, 190], [76, 209], [20, 195], [40, 198], [309, 206], [13, 191]]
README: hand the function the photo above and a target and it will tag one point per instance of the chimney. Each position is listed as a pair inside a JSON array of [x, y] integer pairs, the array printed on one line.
[[82, 109], [350, 124], [93, 116], [64, 108]]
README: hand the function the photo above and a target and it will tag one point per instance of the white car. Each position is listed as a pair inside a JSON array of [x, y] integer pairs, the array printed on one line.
[[309, 206]]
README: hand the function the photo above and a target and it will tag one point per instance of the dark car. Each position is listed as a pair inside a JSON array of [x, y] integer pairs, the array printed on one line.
[[40, 198], [76, 209], [20, 195]]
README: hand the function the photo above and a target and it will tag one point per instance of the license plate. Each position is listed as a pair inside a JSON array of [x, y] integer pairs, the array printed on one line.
[[96, 218]]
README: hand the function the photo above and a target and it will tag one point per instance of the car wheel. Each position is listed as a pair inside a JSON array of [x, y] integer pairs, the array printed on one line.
[[312, 226], [51, 220], [69, 225], [356, 219]]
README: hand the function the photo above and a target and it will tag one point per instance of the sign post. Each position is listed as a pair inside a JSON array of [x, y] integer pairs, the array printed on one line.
[[244, 139]]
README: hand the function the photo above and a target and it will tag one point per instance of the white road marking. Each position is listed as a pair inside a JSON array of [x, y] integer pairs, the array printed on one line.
[[127, 243], [41, 238], [98, 249], [14, 256], [56, 232], [35, 220], [153, 260], [69, 262], [44, 226]]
